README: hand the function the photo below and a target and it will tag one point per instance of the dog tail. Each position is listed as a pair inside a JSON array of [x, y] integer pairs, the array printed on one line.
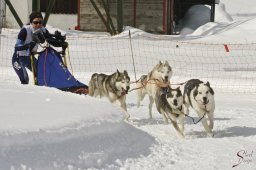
[[92, 84]]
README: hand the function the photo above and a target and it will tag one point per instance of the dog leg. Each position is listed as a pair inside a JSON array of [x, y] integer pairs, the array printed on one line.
[[175, 125], [151, 101], [211, 123], [124, 108], [140, 97], [165, 117], [207, 128], [186, 110], [181, 121]]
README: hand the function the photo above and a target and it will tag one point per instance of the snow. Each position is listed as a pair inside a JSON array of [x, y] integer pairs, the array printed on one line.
[[43, 128]]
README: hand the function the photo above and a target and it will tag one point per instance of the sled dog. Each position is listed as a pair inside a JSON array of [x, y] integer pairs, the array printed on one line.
[[200, 96], [169, 102], [114, 87], [151, 83]]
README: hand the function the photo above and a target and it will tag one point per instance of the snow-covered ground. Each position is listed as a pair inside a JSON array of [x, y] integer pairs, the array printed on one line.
[[43, 128]]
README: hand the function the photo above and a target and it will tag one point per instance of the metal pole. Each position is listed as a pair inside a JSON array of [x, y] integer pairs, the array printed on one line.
[[14, 13], [120, 15], [48, 12], [36, 5]]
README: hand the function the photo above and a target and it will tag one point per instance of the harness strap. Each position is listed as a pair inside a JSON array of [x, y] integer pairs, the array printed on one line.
[[199, 119], [194, 119], [145, 82]]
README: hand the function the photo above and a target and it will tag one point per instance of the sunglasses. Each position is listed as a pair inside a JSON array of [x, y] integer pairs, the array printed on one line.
[[37, 22]]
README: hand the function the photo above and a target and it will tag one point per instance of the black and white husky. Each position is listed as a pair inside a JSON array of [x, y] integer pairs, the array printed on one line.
[[200, 96], [114, 87], [151, 83], [169, 102]]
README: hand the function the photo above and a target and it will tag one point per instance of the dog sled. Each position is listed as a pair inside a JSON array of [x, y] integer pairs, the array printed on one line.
[[51, 68]]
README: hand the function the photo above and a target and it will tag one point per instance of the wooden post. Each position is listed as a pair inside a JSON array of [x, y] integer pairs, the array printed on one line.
[[134, 12], [48, 12], [14, 13], [213, 11], [78, 15], [120, 15], [101, 17], [36, 5], [164, 17], [109, 17], [171, 19]]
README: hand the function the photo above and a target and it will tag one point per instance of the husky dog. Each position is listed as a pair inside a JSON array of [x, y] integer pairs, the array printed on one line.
[[114, 87], [169, 102], [151, 83], [200, 96]]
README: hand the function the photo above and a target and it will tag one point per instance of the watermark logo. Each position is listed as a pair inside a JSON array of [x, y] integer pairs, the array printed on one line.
[[244, 157]]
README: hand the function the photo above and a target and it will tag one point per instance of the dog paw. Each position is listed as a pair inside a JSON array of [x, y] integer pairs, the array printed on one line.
[[166, 122], [210, 135], [127, 119], [181, 136]]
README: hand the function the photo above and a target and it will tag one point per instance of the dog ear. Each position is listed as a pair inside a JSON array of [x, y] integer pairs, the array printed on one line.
[[207, 84], [195, 92], [178, 91], [211, 91], [126, 75], [117, 73]]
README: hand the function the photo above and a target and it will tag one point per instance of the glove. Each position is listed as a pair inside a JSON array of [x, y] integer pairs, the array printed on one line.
[[38, 36], [32, 44], [65, 45]]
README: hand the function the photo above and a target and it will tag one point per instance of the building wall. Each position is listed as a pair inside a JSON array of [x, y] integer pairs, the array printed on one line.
[[24, 8], [63, 21], [149, 15], [89, 19]]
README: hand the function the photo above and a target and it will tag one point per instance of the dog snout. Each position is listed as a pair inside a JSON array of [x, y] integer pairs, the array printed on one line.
[[205, 99], [175, 102], [166, 78], [127, 88]]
